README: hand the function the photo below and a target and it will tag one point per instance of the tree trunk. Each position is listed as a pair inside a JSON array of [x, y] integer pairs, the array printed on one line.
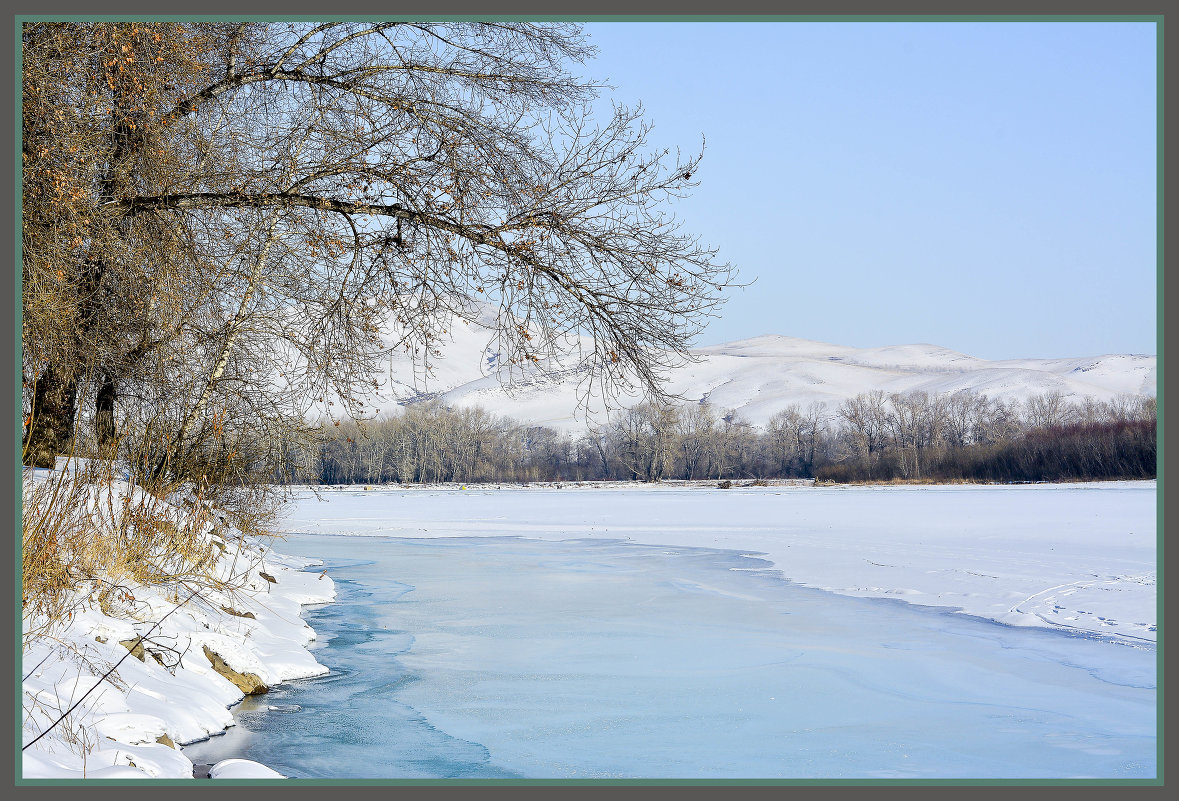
[[104, 413], [50, 430]]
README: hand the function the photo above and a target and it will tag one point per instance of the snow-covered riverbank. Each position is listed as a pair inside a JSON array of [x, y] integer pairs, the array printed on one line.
[[1072, 556], [167, 691]]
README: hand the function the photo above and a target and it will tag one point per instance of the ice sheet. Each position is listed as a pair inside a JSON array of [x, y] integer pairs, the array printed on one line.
[[1070, 556], [492, 657]]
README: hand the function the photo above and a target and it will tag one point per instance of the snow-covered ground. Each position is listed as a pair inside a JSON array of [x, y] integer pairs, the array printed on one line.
[[1070, 556], [756, 377], [129, 724]]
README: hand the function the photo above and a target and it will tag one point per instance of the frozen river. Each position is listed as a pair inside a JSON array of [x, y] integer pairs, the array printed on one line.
[[1080, 557], [594, 657]]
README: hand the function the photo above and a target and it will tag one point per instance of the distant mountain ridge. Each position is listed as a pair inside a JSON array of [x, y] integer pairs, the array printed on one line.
[[759, 376]]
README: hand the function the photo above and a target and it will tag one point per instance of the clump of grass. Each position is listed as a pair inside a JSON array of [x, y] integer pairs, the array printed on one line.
[[59, 546], [90, 536], [150, 546]]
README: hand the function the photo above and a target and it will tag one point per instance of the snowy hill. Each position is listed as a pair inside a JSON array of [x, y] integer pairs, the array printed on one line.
[[757, 377]]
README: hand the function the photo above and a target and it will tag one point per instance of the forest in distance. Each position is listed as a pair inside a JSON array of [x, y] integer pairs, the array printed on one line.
[[870, 437]]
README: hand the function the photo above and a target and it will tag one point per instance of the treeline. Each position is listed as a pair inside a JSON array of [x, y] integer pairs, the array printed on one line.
[[1074, 452], [871, 437], [970, 437]]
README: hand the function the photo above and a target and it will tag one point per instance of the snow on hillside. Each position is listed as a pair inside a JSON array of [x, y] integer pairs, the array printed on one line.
[[756, 377]]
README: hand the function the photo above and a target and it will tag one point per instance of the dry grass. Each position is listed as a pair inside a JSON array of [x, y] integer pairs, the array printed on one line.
[[59, 547], [84, 541], [889, 482]]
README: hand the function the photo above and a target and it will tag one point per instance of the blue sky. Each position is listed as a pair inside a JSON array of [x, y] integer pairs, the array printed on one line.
[[989, 187]]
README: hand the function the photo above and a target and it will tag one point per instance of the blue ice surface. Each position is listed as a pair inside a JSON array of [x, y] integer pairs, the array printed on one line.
[[509, 657]]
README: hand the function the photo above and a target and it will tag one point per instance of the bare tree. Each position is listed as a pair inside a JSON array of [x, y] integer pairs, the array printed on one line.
[[962, 412], [312, 186], [905, 424], [95, 283], [814, 431], [998, 421], [1048, 409], [733, 450], [865, 418], [785, 437], [695, 430], [645, 437]]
